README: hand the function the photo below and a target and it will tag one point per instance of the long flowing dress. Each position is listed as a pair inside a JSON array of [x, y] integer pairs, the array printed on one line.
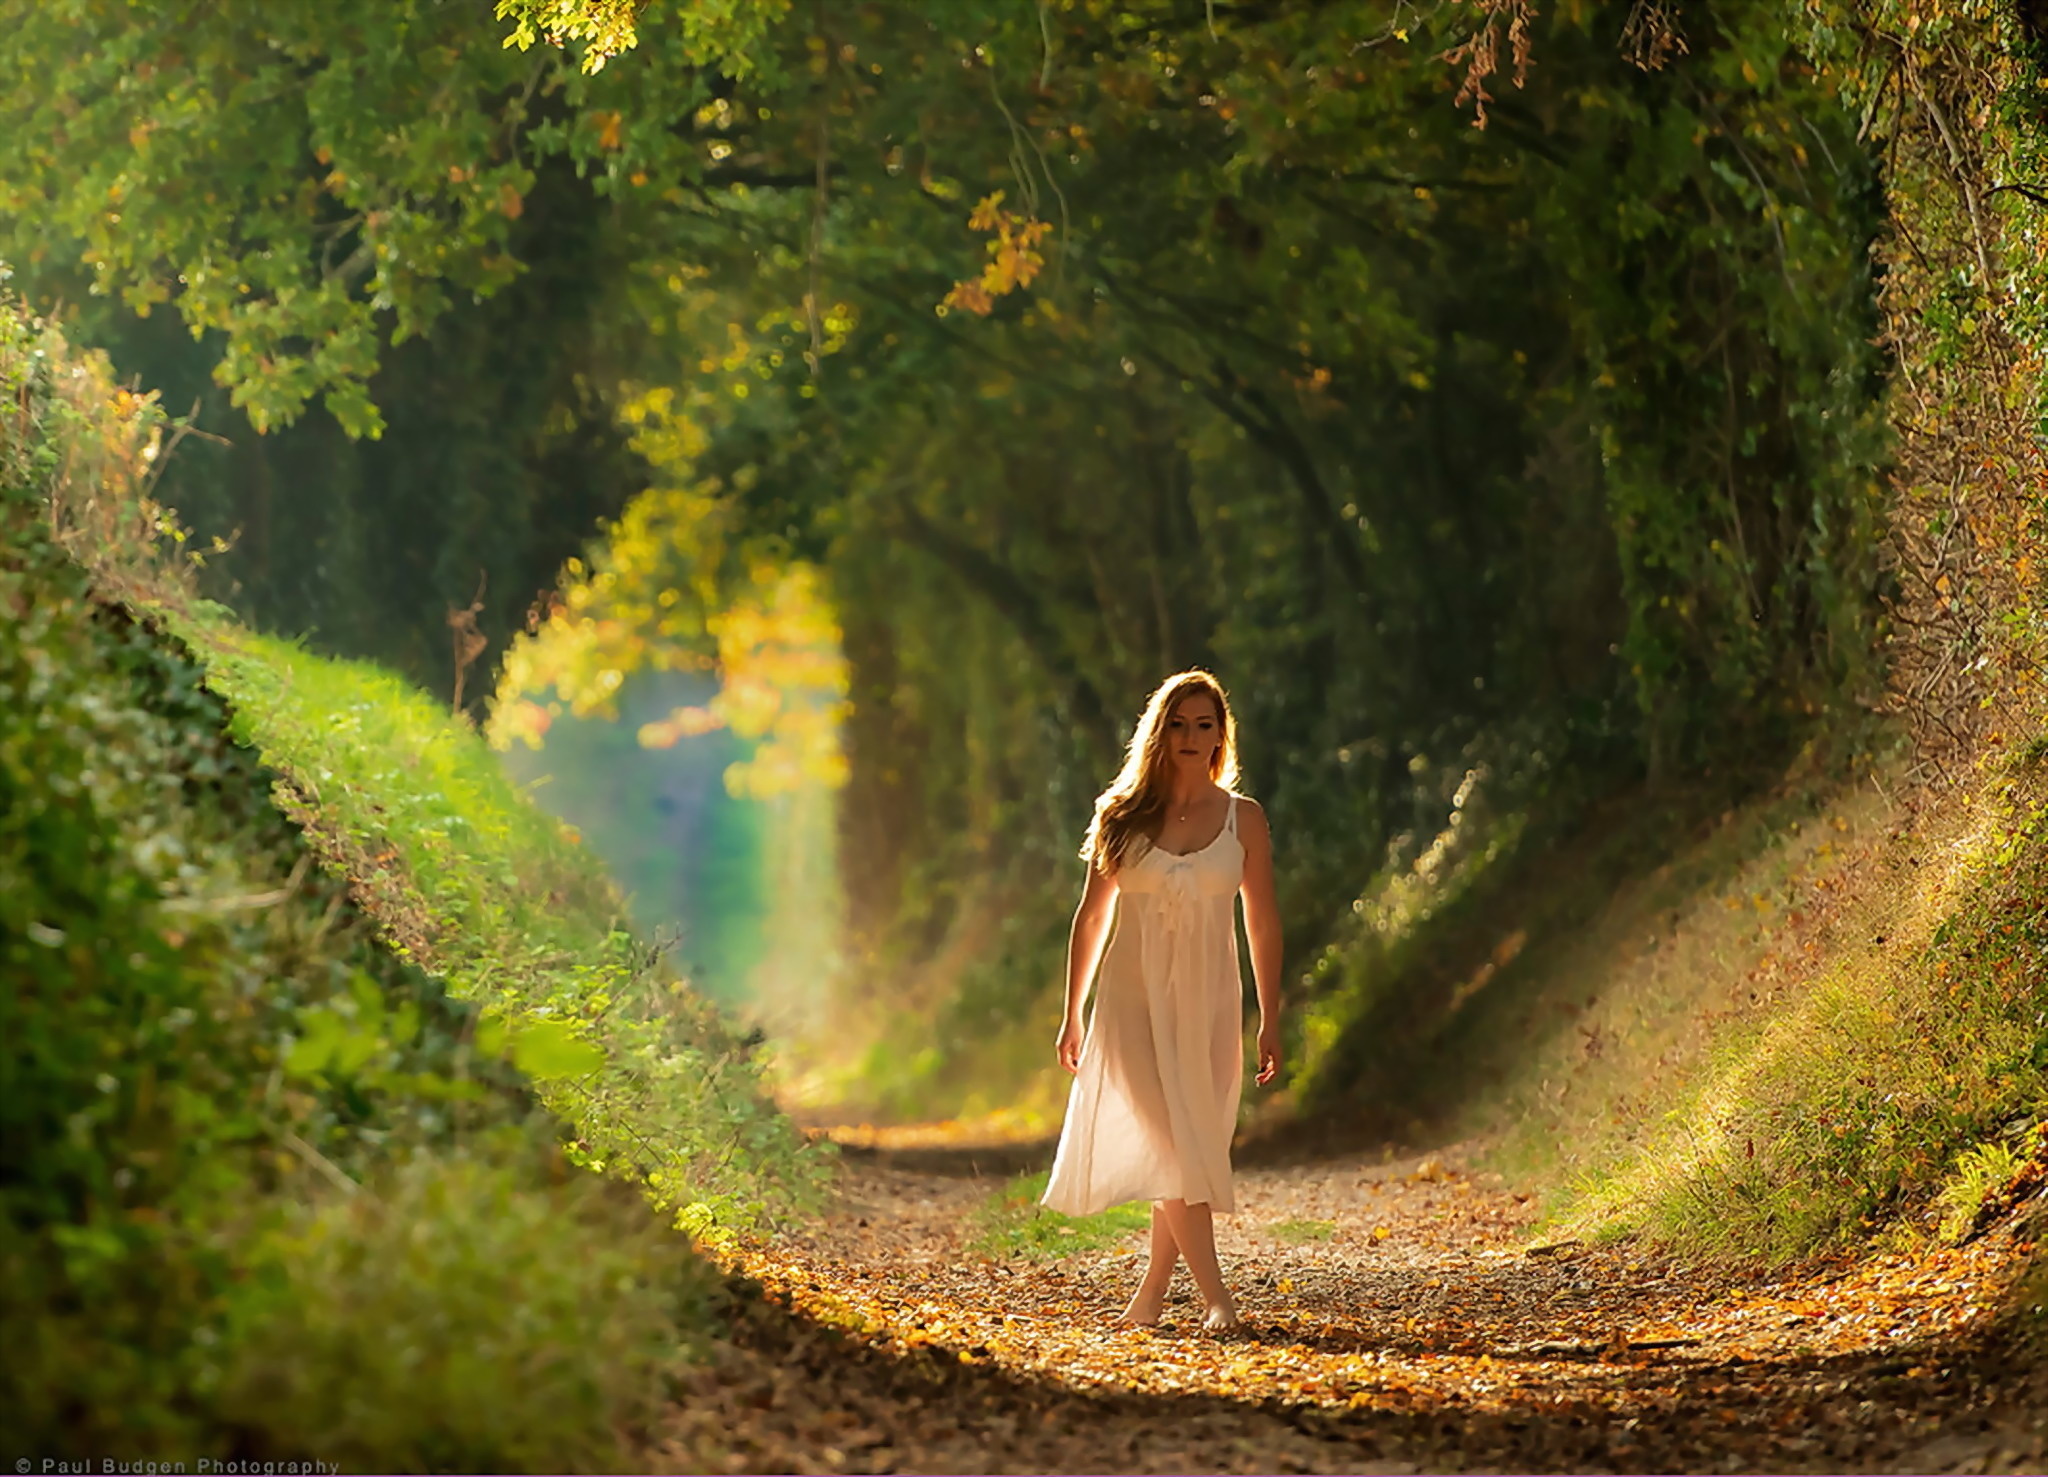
[[1154, 1104]]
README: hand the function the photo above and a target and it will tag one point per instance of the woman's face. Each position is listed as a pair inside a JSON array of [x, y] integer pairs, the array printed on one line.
[[1194, 729]]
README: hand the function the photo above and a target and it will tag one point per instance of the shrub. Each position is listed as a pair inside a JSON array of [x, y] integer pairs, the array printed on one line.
[[455, 1318], [264, 1182]]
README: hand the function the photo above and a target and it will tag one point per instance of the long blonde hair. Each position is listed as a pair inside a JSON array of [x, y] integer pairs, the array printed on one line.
[[1135, 801]]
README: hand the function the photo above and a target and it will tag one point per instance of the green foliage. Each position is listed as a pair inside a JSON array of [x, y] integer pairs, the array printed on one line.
[[157, 903], [497, 459], [271, 1188], [1867, 1098], [1013, 1224], [1379, 985], [1980, 1173], [1747, 545], [479, 886], [605, 27], [315, 186], [206, 1044], [724, 33], [1950, 96], [359, 1336], [1877, 1086], [1882, 1098], [1282, 401], [1548, 446], [285, 188]]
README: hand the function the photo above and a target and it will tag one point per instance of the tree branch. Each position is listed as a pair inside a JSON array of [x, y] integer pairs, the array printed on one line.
[[1014, 600]]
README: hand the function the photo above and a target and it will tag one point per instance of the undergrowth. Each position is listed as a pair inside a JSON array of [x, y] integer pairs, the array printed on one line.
[[1821, 1020], [1474, 983], [1809, 1021], [484, 1323], [1913, 1047], [283, 1179], [1893, 1085], [489, 893], [1980, 1174]]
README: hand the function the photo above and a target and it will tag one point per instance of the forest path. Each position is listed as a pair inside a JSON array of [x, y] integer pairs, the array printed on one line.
[[1398, 1320]]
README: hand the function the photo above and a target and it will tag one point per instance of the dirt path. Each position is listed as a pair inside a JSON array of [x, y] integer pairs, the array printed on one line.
[[1421, 1332]]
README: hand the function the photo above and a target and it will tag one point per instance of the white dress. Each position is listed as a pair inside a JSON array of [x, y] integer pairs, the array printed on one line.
[[1154, 1104]]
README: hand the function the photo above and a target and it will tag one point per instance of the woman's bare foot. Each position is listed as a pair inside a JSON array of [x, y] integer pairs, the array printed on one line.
[[1193, 1230], [1145, 1304]]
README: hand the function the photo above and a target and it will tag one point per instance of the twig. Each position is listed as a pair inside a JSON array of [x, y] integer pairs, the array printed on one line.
[[2032, 192], [1962, 174], [335, 1174], [1022, 169], [469, 642], [812, 316]]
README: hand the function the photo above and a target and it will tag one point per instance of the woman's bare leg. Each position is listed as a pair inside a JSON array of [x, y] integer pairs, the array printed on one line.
[[1150, 1297], [1194, 1231]]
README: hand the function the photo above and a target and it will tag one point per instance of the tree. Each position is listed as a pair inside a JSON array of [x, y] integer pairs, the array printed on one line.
[[1069, 344]]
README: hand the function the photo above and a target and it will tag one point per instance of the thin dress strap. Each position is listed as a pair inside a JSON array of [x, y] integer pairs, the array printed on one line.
[[1230, 815]]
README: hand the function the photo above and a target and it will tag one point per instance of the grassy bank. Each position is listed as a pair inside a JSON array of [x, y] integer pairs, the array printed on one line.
[[1812, 1021], [1899, 1081], [1872, 1065], [307, 1014], [1807, 1012], [487, 892]]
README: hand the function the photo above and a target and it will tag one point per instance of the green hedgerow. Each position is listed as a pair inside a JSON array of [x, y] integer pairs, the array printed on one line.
[[453, 1317]]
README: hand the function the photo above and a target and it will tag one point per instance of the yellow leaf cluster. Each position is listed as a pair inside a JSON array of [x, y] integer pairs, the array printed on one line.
[[658, 603], [1014, 257]]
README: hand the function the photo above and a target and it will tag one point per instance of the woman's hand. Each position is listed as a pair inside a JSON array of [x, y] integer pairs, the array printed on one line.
[[1084, 950], [1269, 1053], [1070, 1044], [1262, 931]]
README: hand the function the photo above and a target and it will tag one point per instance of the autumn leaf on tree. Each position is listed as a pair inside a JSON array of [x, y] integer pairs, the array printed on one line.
[[970, 295], [986, 213], [1014, 257]]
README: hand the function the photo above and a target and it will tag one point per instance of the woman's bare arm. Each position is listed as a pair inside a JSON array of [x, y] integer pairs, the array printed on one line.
[[1084, 951], [1262, 930]]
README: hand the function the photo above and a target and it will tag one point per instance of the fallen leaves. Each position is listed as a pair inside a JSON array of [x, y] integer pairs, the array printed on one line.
[[1415, 1329]]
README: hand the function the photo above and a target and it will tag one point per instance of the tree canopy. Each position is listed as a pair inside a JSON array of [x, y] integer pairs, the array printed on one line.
[[1036, 350]]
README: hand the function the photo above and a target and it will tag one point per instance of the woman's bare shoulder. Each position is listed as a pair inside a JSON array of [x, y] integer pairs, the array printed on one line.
[[1101, 882], [1250, 812]]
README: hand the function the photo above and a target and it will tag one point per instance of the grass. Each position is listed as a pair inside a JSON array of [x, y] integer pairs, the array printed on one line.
[[1013, 1224], [483, 889], [1300, 1231], [1812, 1018], [1615, 1017], [464, 876], [397, 1351], [1980, 1174], [1829, 1081]]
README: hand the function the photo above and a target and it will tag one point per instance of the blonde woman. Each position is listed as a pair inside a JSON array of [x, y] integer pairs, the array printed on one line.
[[1159, 1066]]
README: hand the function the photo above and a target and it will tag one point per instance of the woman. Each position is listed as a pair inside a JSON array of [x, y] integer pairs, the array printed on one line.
[[1159, 1068]]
